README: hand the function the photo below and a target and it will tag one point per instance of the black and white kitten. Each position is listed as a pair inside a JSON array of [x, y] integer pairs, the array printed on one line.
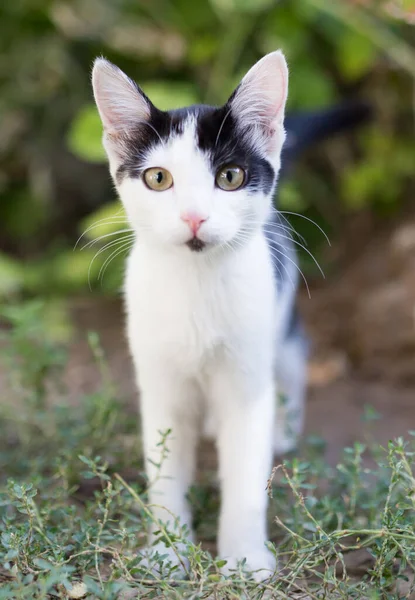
[[209, 291]]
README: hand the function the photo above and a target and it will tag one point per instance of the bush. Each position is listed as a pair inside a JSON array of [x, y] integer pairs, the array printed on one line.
[[53, 174]]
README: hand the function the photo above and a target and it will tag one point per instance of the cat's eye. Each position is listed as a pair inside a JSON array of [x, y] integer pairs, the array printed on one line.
[[230, 178], [157, 179]]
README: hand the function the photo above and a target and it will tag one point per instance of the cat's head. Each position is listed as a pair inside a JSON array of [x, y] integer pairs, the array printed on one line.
[[200, 177]]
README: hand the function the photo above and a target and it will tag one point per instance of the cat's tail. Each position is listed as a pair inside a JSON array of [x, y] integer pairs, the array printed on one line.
[[304, 129]]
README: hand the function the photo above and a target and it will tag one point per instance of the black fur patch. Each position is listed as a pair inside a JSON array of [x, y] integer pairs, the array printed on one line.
[[134, 146], [196, 244], [218, 137]]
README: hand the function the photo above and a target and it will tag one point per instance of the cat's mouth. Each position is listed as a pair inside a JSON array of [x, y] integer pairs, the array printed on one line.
[[196, 244]]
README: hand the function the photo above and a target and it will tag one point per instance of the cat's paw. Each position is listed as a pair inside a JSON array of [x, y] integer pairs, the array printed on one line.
[[164, 561], [260, 563]]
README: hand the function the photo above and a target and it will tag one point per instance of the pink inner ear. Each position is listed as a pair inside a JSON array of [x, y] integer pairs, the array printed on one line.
[[263, 91], [120, 103], [284, 86], [272, 88]]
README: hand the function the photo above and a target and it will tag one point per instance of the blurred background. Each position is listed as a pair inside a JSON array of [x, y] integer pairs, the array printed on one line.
[[358, 186]]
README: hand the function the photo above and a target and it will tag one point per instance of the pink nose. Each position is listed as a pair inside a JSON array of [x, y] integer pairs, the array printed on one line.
[[193, 220]]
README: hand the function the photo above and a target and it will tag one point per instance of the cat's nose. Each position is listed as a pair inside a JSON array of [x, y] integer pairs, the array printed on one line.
[[193, 220]]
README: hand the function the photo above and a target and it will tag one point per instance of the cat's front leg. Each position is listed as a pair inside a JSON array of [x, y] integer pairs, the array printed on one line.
[[246, 421], [169, 425]]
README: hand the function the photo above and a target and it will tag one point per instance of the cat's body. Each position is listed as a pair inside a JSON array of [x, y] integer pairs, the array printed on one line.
[[210, 291]]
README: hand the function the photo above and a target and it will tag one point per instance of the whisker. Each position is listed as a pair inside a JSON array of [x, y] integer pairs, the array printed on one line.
[[287, 212], [221, 126], [98, 239], [273, 228], [280, 216], [103, 249], [109, 221], [111, 257], [113, 243], [280, 262], [289, 229], [237, 240], [151, 127], [232, 243], [284, 237], [296, 266], [241, 236]]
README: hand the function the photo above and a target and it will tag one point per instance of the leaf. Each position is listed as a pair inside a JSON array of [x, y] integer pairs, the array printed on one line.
[[355, 54], [290, 198], [11, 276], [247, 6], [107, 219], [42, 564], [167, 95], [85, 135], [221, 563], [203, 49], [370, 413], [71, 268], [310, 87], [11, 554]]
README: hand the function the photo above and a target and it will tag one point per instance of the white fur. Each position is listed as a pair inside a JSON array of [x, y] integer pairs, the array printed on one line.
[[203, 327]]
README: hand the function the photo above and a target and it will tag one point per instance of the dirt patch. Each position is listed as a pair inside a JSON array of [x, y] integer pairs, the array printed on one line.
[[367, 312]]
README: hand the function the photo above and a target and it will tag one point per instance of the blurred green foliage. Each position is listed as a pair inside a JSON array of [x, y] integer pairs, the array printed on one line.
[[53, 179]]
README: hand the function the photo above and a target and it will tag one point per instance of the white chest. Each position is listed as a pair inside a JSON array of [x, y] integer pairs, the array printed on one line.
[[184, 311]]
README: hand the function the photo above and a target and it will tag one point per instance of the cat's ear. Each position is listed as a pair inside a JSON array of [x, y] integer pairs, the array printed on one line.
[[258, 103], [121, 104]]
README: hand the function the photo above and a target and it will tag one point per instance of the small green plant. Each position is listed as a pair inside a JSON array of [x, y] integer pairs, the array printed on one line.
[[74, 510]]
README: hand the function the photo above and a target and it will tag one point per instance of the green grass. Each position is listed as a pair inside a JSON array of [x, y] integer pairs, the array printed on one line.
[[74, 511]]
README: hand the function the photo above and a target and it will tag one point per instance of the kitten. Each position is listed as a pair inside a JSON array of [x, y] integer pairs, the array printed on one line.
[[210, 289]]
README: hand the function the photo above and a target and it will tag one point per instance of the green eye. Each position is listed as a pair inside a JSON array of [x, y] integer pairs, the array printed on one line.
[[158, 179], [230, 178]]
